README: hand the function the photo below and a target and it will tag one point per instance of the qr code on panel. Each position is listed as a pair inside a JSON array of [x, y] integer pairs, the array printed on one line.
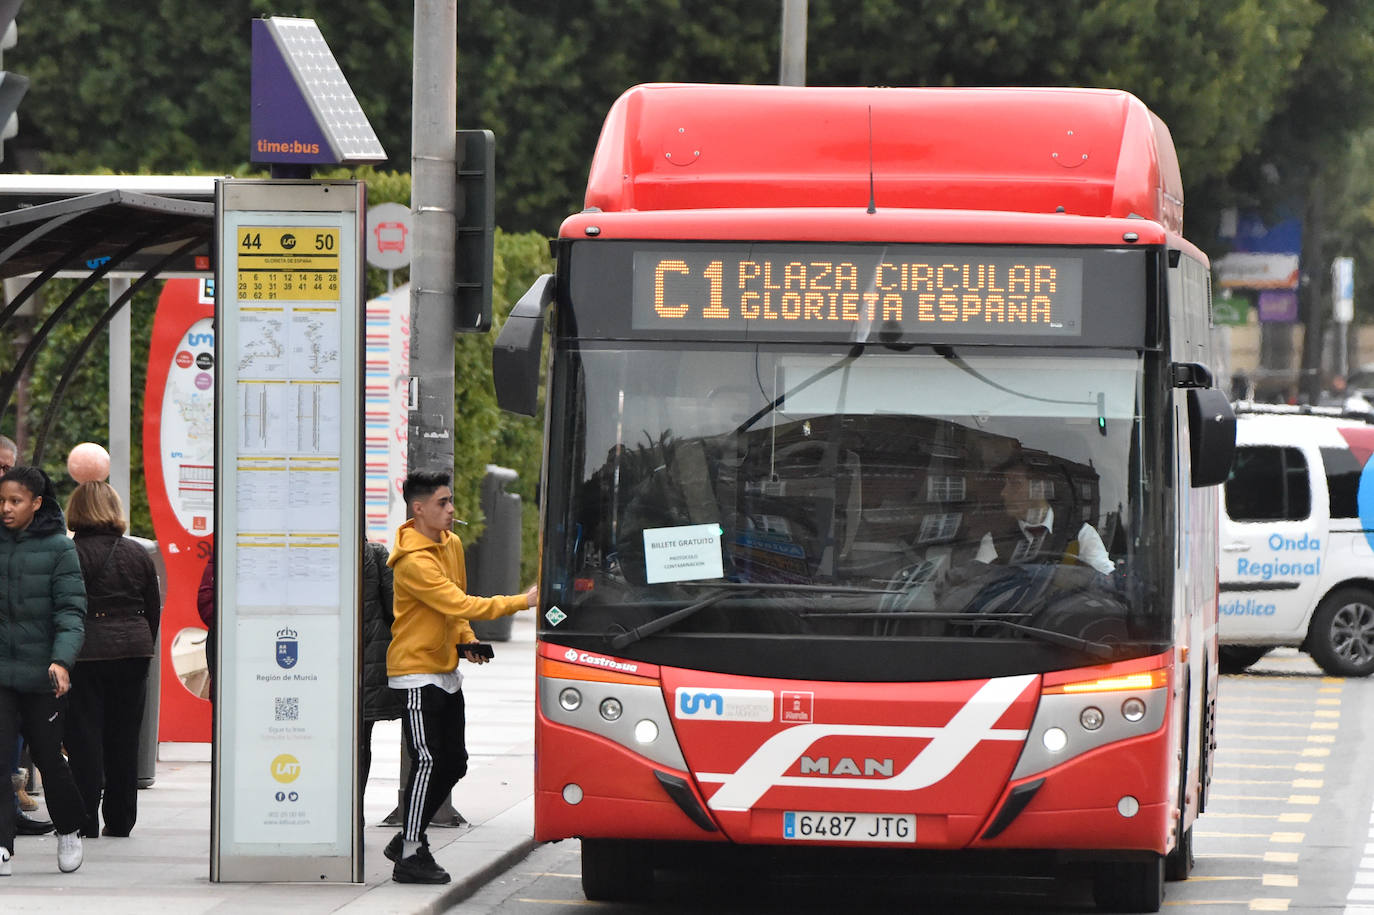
[[288, 708]]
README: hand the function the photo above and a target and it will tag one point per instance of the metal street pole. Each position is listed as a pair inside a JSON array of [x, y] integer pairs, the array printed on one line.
[[792, 56], [433, 141], [121, 419], [433, 194]]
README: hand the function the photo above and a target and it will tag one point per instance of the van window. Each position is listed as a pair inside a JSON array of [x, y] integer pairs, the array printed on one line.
[[1342, 481], [1268, 484]]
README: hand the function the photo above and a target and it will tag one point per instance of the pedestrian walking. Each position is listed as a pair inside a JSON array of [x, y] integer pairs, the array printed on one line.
[[432, 609], [110, 681], [42, 623], [25, 825], [380, 702]]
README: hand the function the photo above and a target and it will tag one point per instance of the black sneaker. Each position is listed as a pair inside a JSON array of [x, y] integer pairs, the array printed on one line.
[[28, 826], [419, 868], [394, 847]]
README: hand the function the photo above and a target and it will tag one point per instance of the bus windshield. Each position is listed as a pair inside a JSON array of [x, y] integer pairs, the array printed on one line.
[[975, 493]]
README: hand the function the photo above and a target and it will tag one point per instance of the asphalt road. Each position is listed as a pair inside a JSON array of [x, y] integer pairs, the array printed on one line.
[[1287, 829]]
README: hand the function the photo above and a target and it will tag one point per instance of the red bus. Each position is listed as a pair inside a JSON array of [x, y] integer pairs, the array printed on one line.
[[879, 500]]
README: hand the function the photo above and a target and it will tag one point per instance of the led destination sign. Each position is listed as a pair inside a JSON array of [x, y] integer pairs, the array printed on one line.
[[848, 291]]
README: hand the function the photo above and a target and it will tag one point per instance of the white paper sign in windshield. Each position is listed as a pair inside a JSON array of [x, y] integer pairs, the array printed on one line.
[[687, 553]]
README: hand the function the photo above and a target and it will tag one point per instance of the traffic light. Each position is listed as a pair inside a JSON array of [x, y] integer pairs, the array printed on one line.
[[12, 85], [475, 234]]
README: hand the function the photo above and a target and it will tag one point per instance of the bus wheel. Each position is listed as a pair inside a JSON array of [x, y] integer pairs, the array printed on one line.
[[1130, 886], [1179, 862], [615, 871], [1233, 659], [1341, 639]]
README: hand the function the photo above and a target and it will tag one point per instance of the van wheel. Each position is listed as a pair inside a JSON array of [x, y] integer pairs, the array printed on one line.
[[1234, 659], [1341, 638]]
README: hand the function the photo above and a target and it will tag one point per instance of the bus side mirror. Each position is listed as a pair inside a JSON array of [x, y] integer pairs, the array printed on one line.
[[1212, 432], [515, 357]]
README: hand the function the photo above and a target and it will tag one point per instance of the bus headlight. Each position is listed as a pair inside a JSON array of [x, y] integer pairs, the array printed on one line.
[[611, 709], [1055, 739], [1133, 709], [1091, 718], [645, 731]]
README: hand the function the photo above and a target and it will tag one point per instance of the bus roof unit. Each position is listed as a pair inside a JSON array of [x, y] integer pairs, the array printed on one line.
[[1091, 152]]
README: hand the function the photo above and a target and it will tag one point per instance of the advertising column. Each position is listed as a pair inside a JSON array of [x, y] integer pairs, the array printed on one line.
[[288, 504], [179, 465]]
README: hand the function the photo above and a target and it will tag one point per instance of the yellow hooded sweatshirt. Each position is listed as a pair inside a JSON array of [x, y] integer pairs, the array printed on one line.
[[431, 605]]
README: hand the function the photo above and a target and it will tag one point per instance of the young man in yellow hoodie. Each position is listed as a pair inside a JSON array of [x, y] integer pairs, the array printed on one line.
[[432, 609]]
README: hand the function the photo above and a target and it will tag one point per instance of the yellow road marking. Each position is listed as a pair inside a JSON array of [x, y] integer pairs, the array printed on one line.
[[1280, 857], [1288, 838], [558, 901], [1321, 738], [1307, 783], [1228, 856], [1316, 751], [1206, 902], [1234, 835], [1280, 880], [1325, 701], [1325, 713], [1269, 905], [1252, 781], [1310, 767], [569, 876], [1326, 726], [1290, 799]]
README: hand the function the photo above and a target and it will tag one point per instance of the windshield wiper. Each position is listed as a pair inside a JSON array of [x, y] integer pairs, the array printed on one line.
[[723, 589], [802, 385], [1095, 649], [668, 619]]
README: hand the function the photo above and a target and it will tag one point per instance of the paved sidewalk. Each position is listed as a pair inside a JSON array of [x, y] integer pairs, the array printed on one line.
[[165, 865]]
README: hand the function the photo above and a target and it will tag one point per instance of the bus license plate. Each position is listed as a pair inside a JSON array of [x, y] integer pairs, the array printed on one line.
[[815, 826]]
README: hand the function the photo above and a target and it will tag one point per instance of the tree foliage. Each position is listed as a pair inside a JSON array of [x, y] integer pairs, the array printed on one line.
[[542, 75], [1264, 98]]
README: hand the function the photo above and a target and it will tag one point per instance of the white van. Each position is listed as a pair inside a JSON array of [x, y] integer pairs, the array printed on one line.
[[1297, 539]]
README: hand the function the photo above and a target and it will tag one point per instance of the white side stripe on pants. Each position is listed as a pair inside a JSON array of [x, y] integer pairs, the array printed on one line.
[[424, 768]]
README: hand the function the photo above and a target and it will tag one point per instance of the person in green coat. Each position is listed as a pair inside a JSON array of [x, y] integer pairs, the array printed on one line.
[[42, 626]]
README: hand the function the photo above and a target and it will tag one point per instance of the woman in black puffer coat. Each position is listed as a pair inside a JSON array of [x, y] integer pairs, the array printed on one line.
[[110, 681], [42, 623], [380, 702]]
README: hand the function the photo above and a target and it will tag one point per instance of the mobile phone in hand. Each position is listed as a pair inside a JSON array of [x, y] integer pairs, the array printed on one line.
[[479, 648]]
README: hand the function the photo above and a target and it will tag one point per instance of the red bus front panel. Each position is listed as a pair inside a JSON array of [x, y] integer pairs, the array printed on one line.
[[916, 764]]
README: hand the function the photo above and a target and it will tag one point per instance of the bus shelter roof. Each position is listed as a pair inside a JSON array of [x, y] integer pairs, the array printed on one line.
[[95, 228]]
